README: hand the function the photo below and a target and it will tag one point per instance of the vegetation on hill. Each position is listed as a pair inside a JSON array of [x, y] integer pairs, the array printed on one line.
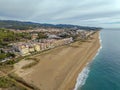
[[42, 36], [10, 24], [5, 55], [5, 82], [7, 36]]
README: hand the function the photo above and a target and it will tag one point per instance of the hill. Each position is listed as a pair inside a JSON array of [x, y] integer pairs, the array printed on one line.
[[10, 24]]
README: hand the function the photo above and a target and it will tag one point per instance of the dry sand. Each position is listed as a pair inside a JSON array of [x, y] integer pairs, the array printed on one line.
[[58, 68]]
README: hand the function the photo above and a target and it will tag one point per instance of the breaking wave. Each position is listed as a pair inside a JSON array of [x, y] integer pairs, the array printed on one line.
[[85, 72], [82, 78]]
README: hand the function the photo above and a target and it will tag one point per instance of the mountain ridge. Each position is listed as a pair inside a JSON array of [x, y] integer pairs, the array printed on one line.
[[22, 25]]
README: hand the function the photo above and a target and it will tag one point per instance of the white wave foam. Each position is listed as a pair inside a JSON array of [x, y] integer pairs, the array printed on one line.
[[82, 78], [100, 46], [84, 74]]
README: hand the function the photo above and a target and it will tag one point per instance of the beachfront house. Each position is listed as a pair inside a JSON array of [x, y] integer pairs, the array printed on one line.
[[37, 47]]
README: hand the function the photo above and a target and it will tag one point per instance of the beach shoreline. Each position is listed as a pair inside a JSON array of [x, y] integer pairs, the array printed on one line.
[[71, 85], [58, 69], [82, 76]]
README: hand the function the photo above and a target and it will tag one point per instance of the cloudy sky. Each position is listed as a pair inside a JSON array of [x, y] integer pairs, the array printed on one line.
[[104, 13]]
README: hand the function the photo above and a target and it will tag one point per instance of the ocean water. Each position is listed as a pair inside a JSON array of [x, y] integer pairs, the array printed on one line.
[[103, 73]]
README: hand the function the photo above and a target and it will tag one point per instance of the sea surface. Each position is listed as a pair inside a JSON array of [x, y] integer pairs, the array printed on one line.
[[103, 73]]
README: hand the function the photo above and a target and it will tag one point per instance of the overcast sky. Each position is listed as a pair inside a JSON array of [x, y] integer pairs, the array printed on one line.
[[104, 13]]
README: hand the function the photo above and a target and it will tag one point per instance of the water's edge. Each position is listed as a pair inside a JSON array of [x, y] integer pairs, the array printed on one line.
[[82, 76]]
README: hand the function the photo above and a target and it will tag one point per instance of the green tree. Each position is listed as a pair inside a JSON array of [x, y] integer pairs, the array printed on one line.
[[42, 36], [2, 56]]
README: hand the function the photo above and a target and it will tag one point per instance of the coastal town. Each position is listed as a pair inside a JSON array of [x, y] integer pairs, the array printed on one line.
[[43, 39], [42, 56]]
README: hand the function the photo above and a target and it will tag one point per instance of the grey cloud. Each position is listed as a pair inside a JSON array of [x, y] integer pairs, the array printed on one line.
[[82, 12]]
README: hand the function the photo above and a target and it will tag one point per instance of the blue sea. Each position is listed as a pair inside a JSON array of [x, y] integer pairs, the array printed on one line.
[[103, 73]]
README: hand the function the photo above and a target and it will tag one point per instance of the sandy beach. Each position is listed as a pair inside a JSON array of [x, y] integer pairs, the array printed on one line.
[[58, 68]]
